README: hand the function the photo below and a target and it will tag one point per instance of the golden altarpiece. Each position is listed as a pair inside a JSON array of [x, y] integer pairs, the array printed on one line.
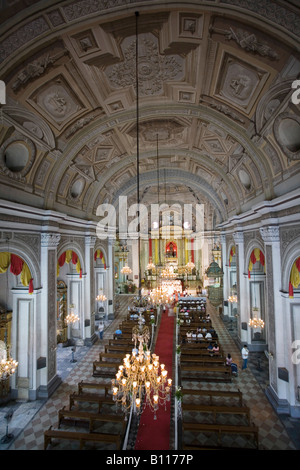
[[62, 328], [5, 337]]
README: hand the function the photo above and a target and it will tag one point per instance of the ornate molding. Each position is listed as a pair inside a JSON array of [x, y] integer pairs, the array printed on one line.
[[90, 241], [270, 234], [50, 239], [238, 237]]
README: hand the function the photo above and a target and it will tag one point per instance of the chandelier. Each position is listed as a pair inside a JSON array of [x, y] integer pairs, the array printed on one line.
[[168, 273], [190, 265], [71, 317], [141, 380], [126, 270], [232, 298], [101, 298], [256, 323], [7, 364], [150, 266]]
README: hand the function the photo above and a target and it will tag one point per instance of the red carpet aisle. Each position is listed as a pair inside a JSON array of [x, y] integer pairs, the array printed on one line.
[[155, 434]]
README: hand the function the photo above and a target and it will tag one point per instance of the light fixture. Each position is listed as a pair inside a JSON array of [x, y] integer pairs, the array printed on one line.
[[256, 322], [232, 299], [168, 273], [7, 364], [190, 266], [101, 298], [71, 317], [126, 270], [141, 380], [150, 265]]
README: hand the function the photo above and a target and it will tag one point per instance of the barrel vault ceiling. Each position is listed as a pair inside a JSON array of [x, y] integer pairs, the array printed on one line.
[[217, 124]]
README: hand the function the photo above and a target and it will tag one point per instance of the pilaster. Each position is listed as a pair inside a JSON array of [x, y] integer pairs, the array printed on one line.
[[49, 379]]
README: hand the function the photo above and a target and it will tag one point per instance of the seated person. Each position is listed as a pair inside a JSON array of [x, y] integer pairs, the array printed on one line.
[[194, 335], [216, 348], [189, 336], [208, 336], [199, 335], [228, 360], [210, 348]]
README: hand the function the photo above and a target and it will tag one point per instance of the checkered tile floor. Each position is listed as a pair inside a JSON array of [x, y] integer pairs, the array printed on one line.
[[30, 420]]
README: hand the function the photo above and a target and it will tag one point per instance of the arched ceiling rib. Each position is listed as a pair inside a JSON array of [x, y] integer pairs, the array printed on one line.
[[214, 90]]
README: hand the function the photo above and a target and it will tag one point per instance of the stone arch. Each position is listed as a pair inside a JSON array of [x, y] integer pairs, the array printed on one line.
[[27, 254], [256, 243], [74, 247], [288, 259]]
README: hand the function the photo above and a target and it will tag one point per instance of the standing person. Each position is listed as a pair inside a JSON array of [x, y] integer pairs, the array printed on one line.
[[100, 329], [245, 354]]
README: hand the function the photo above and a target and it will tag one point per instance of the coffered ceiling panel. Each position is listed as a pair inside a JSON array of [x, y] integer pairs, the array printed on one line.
[[214, 118]]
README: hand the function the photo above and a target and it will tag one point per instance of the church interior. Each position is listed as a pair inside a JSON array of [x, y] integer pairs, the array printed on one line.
[[150, 225]]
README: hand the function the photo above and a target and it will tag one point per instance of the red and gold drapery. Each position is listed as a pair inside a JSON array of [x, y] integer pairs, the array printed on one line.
[[17, 266], [231, 254], [99, 254], [66, 257], [256, 255], [294, 277]]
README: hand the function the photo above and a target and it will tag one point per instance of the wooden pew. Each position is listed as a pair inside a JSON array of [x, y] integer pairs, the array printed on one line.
[[82, 437], [200, 352], [202, 360], [222, 429], [211, 394], [89, 398], [112, 356], [107, 369], [121, 341], [215, 409], [91, 418], [118, 348], [95, 386], [210, 373]]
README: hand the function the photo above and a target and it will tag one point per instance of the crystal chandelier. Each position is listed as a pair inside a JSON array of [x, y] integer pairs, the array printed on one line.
[[126, 270], [256, 323], [168, 273], [141, 380], [7, 364], [71, 317], [150, 266], [232, 298], [190, 266], [101, 298]]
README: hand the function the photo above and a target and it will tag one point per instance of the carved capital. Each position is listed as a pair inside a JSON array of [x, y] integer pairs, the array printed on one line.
[[270, 234], [50, 239], [238, 237], [90, 241]]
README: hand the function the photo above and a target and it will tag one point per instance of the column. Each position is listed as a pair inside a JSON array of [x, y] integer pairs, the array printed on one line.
[[226, 286], [242, 292], [110, 277], [49, 380], [89, 292], [276, 325]]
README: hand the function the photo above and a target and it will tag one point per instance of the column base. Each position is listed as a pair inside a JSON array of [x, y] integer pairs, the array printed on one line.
[[281, 406]]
